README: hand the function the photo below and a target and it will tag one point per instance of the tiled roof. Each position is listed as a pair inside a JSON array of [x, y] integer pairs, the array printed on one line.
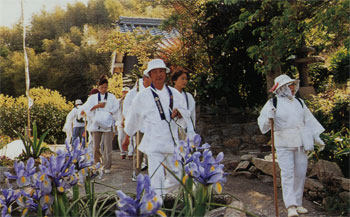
[[152, 24]]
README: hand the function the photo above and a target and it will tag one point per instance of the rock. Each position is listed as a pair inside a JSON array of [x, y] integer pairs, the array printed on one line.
[[231, 161], [246, 174], [247, 157], [344, 182], [246, 139], [243, 165], [265, 178], [219, 212], [269, 157], [236, 130], [251, 128], [325, 169], [244, 146], [231, 212], [2, 176], [313, 185], [253, 170], [231, 165], [260, 139], [345, 196], [266, 166], [232, 142], [313, 194]]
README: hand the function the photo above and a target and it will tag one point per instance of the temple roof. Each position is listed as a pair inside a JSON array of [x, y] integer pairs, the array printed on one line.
[[152, 24]]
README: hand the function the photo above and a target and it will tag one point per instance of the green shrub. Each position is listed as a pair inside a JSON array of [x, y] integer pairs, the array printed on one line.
[[331, 107], [340, 65], [319, 75], [49, 111]]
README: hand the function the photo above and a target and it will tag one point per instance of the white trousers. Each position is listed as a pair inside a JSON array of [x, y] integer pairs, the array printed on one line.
[[162, 180], [121, 136], [293, 165]]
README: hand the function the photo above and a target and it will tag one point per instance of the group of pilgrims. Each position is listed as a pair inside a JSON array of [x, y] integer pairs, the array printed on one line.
[[152, 117]]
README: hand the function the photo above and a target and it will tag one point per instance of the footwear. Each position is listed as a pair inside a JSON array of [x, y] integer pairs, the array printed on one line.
[[107, 171], [302, 210], [134, 176], [292, 212], [123, 157], [130, 157], [144, 166]]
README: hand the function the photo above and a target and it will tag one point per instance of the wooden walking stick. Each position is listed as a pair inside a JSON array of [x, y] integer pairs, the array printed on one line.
[[274, 167], [85, 125], [137, 151]]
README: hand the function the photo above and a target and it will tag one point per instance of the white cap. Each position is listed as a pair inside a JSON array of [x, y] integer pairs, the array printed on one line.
[[155, 64], [282, 80], [78, 102]]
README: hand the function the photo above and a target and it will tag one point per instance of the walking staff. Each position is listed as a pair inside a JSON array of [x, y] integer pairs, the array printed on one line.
[[275, 198]]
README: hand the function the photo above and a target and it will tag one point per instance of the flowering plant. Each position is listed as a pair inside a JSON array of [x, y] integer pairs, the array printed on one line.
[[46, 186], [202, 173], [146, 203]]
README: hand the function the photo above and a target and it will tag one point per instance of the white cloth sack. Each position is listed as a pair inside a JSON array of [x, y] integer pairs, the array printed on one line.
[[103, 119], [307, 139]]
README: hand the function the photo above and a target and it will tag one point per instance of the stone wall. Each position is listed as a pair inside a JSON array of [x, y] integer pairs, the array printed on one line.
[[230, 130]]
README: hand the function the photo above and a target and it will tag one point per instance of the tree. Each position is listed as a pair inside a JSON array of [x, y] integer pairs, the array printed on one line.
[[289, 26]]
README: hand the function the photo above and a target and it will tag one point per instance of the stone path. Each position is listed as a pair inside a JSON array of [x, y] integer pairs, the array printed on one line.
[[256, 196]]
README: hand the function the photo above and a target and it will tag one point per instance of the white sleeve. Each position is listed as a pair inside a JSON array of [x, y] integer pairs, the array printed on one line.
[[193, 109], [180, 104], [263, 120], [127, 102], [312, 123], [86, 107], [114, 104], [68, 126], [134, 118]]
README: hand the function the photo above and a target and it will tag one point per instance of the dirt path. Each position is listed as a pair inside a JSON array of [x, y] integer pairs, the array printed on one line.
[[256, 196]]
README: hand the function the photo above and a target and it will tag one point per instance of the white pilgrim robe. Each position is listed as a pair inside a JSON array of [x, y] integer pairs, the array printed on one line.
[[112, 105], [144, 112]]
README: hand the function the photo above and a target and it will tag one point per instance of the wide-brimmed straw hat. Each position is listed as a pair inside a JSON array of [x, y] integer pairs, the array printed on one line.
[[155, 64], [282, 80]]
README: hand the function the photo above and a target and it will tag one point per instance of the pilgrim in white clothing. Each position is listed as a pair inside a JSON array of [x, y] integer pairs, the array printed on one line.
[[74, 126], [153, 109], [296, 129], [101, 108]]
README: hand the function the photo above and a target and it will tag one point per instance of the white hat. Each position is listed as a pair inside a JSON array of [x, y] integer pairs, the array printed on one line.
[[155, 64], [282, 80], [78, 102]]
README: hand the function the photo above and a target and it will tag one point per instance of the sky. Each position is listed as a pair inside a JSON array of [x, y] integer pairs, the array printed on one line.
[[10, 10]]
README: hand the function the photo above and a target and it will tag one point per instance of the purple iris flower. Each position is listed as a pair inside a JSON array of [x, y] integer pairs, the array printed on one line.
[[58, 170], [79, 155], [6, 211], [23, 173], [9, 196], [204, 168], [146, 203], [27, 201]]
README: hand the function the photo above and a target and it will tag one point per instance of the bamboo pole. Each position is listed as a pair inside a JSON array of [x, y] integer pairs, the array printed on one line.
[[274, 167], [26, 69]]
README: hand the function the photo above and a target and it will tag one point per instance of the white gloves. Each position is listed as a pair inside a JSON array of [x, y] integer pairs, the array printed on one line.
[[271, 114], [319, 142]]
